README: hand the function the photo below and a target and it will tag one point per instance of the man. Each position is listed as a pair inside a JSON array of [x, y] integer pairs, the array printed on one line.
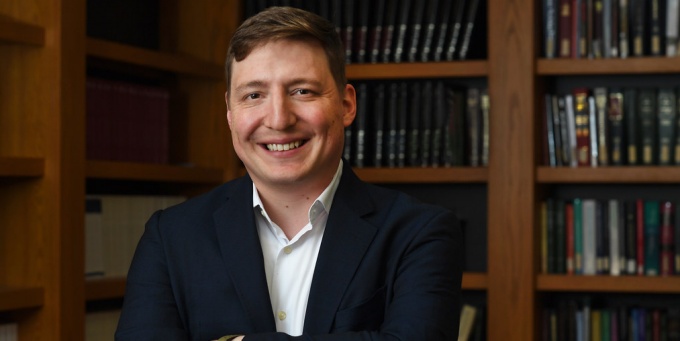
[[299, 248]]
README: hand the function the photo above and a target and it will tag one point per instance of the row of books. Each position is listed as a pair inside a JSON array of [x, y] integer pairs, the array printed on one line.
[[113, 227], [384, 31], [126, 121], [610, 28], [579, 319], [427, 123], [612, 127], [610, 237], [9, 332]]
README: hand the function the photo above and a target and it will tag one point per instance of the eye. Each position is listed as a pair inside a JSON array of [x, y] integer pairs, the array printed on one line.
[[252, 96], [301, 92]]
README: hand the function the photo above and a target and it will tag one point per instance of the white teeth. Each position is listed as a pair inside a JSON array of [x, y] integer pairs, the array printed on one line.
[[281, 147]]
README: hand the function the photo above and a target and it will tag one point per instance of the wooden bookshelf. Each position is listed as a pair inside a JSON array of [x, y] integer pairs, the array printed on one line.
[[613, 66], [417, 70], [21, 167], [475, 281], [17, 32], [104, 288], [12, 298], [606, 284], [113, 170], [623, 174], [153, 59]]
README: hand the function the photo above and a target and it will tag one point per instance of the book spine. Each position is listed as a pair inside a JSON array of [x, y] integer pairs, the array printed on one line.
[[655, 28], [392, 124], [565, 29], [651, 237], [676, 156], [439, 115], [667, 117], [578, 236], [623, 29], [672, 31], [601, 95], [615, 118], [560, 237], [426, 124], [414, 126], [569, 225], [472, 115], [550, 130], [485, 107], [630, 118], [640, 237], [648, 135], [613, 226], [589, 237], [631, 237], [455, 30], [401, 29], [379, 125], [430, 28], [469, 26], [638, 31], [594, 141], [402, 109], [348, 30], [416, 30], [549, 28], [361, 125], [571, 130], [583, 132], [597, 43], [666, 239]]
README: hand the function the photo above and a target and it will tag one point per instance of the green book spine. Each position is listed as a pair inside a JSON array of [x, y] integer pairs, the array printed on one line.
[[651, 237], [648, 134], [578, 236], [667, 122]]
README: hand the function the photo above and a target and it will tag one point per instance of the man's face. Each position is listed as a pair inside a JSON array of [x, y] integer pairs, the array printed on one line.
[[286, 115]]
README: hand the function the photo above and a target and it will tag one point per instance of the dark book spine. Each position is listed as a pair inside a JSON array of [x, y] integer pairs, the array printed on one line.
[[442, 29], [471, 17], [378, 124], [336, 17], [361, 125], [376, 33], [566, 13], [667, 116], [415, 30], [631, 237], [614, 29], [623, 31], [430, 28], [414, 125], [666, 239], [597, 43], [426, 124], [638, 31], [656, 33], [472, 120], [456, 29], [362, 32], [549, 28], [454, 132], [439, 115], [651, 237], [401, 28], [392, 124], [676, 156], [551, 238], [566, 148], [388, 31], [615, 117], [550, 131], [348, 30], [630, 118], [560, 237], [676, 247], [601, 96], [484, 128], [402, 115], [648, 135]]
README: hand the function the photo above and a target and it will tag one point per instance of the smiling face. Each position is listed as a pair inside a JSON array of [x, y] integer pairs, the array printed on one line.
[[287, 116]]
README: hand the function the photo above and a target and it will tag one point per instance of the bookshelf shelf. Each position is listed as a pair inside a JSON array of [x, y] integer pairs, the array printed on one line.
[[614, 66], [21, 167], [423, 175], [20, 298], [113, 170], [474, 281], [623, 174], [417, 70], [153, 59], [104, 288], [623, 284], [14, 31]]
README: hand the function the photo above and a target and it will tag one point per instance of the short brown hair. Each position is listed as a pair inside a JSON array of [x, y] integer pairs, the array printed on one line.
[[287, 23]]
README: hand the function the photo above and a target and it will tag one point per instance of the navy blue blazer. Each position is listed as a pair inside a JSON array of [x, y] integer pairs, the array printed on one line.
[[389, 268]]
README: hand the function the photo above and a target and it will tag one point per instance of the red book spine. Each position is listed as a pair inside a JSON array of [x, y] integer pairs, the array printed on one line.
[[565, 29], [666, 239], [582, 125], [640, 237]]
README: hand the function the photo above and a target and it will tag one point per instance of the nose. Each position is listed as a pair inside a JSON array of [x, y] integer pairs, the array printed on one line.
[[280, 115]]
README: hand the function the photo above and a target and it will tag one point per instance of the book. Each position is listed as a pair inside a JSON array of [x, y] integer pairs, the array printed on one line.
[[623, 35], [401, 28], [389, 31], [655, 27], [630, 216], [640, 237], [597, 35], [551, 140], [582, 127], [362, 33], [565, 28], [415, 30], [600, 94], [578, 236], [569, 226], [439, 114], [378, 124], [630, 118], [426, 126], [589, 224], [414, 125], [348, 30], [392, 126], [648, 135], [616, 132], [551, 236], [472, 115], [676, 153], [445, 15], [454, 133], [456, 28], [560, 242], [376, 32], [431, 24], [638, 30], [94, 238], [467, 321], [651, 237], [485, 107], [402, 116], [614, 28], [545, 236], [601, 238], [608, 26], [676, 241], [361, 126], [469, 26], [550, 28], [594, 140], [666, 267], [667, 123], [672, 30], [616, 255]]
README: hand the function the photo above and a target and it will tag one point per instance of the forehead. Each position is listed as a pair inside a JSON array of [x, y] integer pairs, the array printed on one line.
[[282, 57]]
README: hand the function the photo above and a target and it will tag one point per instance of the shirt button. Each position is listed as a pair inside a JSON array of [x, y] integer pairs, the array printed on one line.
[[287, 250], [282, 315]]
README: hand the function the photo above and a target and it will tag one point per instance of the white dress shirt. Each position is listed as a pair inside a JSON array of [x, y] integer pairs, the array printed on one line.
[[289, 264]]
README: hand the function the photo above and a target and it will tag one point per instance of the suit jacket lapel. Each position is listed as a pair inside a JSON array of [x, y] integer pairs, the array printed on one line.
[[346, 239], [242, 254]]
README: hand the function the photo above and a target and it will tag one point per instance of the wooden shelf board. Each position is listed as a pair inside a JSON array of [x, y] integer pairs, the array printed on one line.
[[153, 59], [417, 70], [21, 298], [424, 175], [622, 174], [475, 281], [643, 65], [21, 167], [104, 288], [14, 31], [113, 170], [623, 284]]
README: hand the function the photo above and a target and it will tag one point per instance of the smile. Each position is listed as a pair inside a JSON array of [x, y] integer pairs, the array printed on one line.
[[278, 147]]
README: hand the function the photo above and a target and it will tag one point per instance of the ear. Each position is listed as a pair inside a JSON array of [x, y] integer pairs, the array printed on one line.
[[349, 103], [226, 101]]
